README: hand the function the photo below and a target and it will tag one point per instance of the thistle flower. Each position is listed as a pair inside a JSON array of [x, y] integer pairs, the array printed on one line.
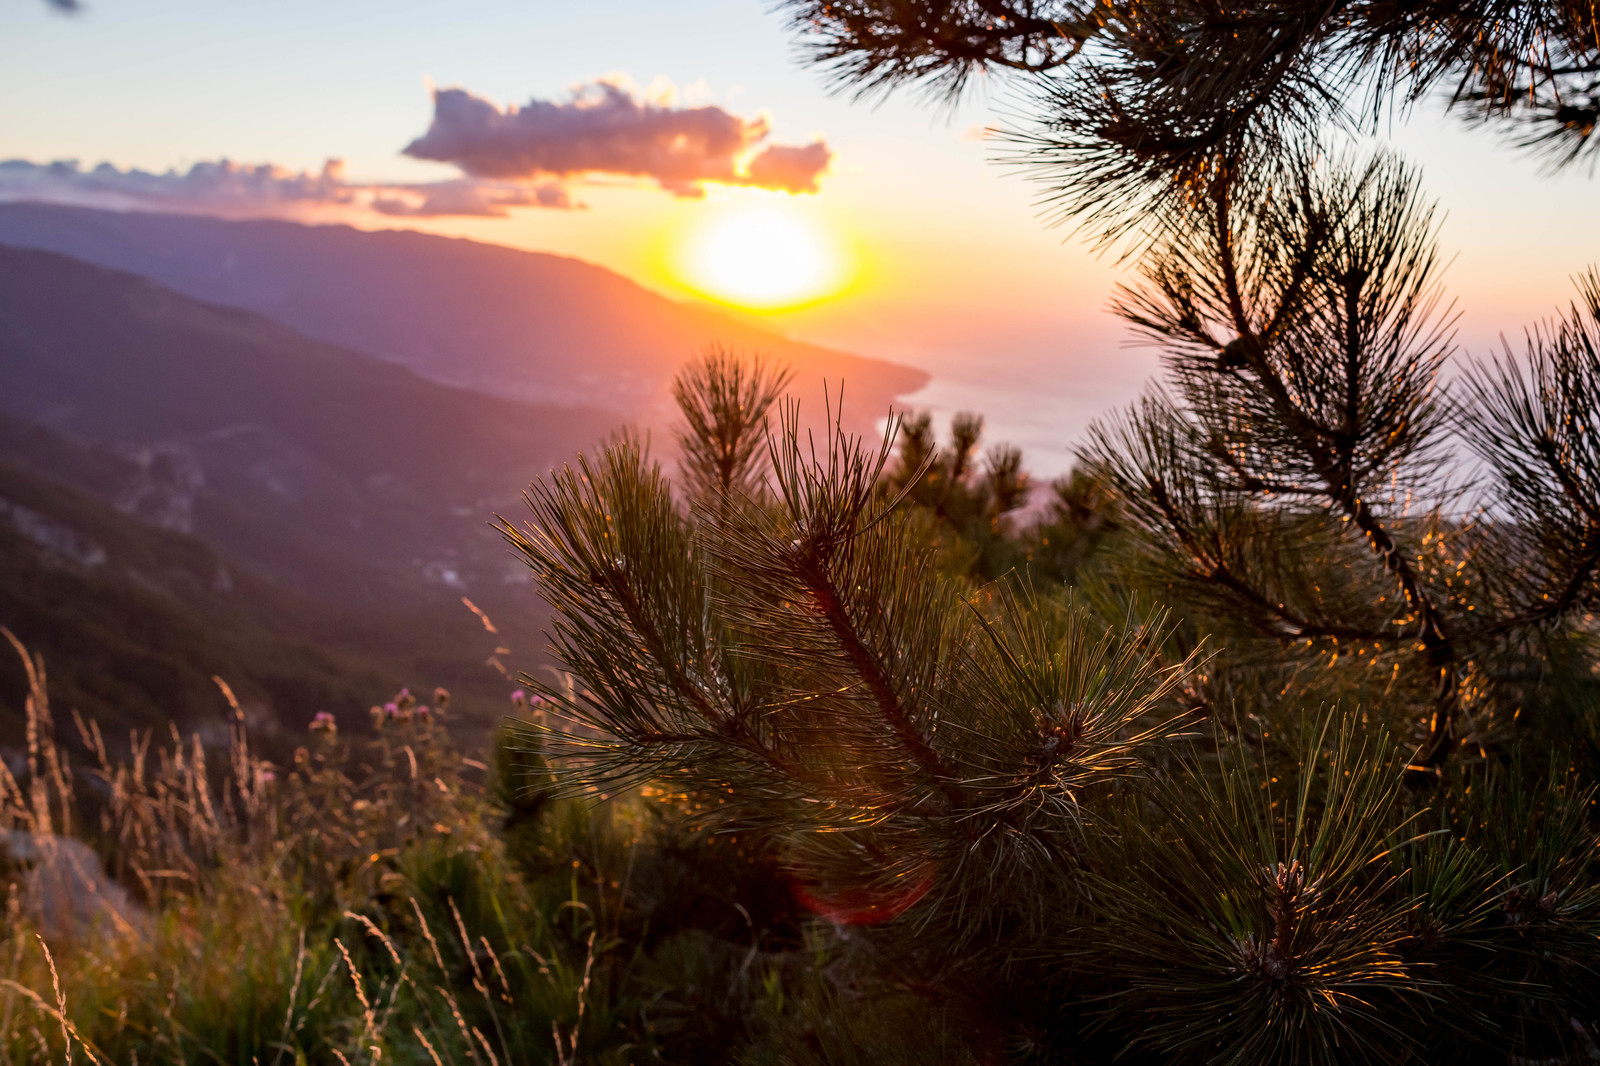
[[322, 722]]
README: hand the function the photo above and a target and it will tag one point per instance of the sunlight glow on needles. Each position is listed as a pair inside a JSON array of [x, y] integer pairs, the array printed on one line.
[[762, 257]]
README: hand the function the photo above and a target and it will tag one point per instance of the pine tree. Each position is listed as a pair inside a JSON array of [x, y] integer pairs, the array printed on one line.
[[970, 505], [1305, 769], [1008, 800], [1145, 91]]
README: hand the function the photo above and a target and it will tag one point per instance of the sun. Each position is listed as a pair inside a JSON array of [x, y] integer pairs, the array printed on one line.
[[761, 257]]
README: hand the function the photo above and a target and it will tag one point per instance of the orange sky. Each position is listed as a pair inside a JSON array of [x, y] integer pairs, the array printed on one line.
[[962, 277], [957, 273]]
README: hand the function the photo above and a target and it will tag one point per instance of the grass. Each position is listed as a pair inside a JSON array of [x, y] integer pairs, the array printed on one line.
[[380, 898]]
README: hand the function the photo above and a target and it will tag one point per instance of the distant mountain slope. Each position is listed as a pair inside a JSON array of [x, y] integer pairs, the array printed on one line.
[[323, 469], [133, 621], [513, 323]]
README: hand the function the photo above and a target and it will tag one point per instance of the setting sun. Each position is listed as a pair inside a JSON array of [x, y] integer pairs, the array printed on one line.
[[762, 258]]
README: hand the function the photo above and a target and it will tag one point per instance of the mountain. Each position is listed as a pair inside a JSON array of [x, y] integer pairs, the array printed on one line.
[[320, 468], [133, 621], [512, 323], [187, 490]]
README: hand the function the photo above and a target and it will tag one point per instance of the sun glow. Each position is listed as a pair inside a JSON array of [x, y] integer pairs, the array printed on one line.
[[762, 257]]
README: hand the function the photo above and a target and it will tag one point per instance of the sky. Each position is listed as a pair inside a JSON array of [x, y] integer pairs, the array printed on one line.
[[942, 258]]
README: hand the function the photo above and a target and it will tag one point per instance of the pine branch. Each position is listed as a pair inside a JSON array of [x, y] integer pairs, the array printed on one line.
[[1537, 430], [724, 399], [1331, 398], [813, 572]]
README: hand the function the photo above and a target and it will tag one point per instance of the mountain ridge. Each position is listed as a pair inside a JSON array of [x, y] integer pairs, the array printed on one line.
[[240, 424], [531, 325]]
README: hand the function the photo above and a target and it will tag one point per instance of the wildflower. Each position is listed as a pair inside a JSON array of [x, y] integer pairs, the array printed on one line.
[[519, 699], [405, 700], [391, 709], [377, 716], [441, 698], [322, 722]]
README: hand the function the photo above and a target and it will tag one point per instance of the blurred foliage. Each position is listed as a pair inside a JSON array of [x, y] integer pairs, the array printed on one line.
[[978, 512], [375, 898]]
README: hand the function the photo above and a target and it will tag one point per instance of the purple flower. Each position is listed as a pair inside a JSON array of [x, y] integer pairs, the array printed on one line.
[[322, 722], [519, 698]]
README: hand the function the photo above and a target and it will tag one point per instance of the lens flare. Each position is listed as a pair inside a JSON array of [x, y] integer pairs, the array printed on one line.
[[763, 258]]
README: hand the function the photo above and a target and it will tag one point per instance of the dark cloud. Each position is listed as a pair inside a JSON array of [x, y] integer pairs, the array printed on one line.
[[607, 129], [229, 188]]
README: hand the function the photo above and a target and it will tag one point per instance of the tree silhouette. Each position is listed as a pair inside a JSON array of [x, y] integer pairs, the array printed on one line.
[[1292, 288], [1150, 90]]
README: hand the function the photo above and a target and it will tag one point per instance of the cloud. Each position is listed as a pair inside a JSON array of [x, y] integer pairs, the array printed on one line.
[[467, 197], [790, 169], [509, 158], [608, 129], [221, 184], [243, 189]]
